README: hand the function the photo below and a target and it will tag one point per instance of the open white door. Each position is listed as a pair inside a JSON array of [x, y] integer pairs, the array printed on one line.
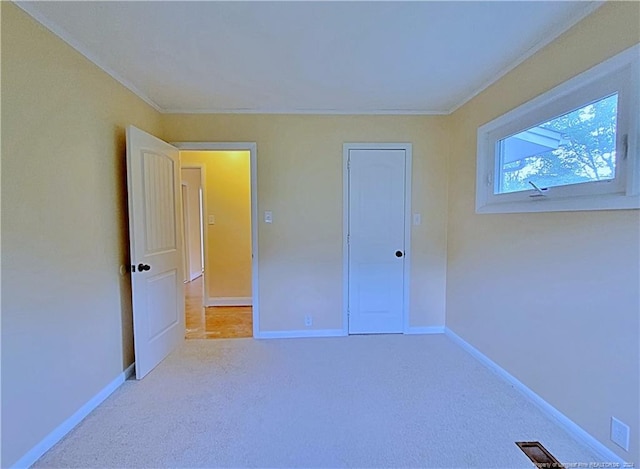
[[153, 175]]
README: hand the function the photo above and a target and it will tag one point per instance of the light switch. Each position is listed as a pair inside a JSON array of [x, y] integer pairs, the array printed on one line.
[[268, 216], [417, 219], [212, 219]]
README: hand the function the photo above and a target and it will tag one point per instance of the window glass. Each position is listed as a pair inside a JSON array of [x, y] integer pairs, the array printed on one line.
[[574, 148]]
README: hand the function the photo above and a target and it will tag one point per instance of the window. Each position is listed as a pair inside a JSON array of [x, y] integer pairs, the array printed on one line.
[[577, 147], [572, 148]]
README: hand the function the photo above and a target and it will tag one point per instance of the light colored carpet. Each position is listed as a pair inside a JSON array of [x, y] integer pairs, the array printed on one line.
[[359, 401]]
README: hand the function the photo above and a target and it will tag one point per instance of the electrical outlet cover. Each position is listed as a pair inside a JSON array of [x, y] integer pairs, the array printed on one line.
[[620, 433]]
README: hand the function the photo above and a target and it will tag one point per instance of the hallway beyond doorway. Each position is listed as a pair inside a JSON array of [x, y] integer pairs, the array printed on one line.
[[215, 322]]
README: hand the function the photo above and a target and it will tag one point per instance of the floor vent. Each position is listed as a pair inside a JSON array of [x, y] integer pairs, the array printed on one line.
[[539, 454]]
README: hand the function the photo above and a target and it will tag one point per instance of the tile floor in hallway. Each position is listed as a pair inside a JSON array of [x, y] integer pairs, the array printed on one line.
[[216, 322]]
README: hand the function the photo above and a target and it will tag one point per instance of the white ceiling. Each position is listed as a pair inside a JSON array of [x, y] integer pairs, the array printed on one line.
[[326, 57]]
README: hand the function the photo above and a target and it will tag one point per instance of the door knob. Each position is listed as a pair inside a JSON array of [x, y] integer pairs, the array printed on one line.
[[143, 267], [399, 253]]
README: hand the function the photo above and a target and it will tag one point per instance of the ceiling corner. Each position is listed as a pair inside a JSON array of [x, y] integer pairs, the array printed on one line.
[[554, 31], [30, 9]]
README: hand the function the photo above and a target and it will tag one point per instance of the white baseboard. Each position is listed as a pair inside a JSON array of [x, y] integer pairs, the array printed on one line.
[[338, 332], [301, 333], [229, 301], [130, 371], [425, 330], [565, 422], [65, 427]]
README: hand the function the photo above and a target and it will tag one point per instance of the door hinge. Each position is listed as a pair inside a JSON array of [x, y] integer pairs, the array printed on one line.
[[349, 163], [348, 238], [625, 145]]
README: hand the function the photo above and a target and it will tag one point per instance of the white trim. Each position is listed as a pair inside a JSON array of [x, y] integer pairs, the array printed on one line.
[[617, 74], [229, 301], [216, 146], [562, 420], [130, 371], [203, 221], [69, 424], [30, 8], [252, 148], [322, 112], [551, 35], [568, 204], [301, 334], [406, 297], [255, 287], [345, 241], [346, 148], [186, 245], [425, 330]]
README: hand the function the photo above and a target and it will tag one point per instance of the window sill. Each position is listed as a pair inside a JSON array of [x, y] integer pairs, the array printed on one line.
[[568, 204]]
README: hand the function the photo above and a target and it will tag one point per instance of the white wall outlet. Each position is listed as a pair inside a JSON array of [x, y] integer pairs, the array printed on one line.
[[308, 320], [212, 219], [268, 216], [620, 433], [417, 219]]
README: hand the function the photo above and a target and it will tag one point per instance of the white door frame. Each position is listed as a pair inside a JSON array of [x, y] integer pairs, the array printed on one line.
[[203, 179], [251, 147], [186, 261], [407, 147]]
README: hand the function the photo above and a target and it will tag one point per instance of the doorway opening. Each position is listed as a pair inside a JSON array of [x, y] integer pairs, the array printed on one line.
[[220, 241]]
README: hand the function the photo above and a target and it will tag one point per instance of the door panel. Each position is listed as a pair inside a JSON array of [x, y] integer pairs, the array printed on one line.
[[153, 177], [159, 202], [161, 296], [376, 232]]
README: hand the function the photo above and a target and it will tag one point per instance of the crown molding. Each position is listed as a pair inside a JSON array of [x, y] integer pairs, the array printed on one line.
[[30, 9], [550, 35], [331, 112]]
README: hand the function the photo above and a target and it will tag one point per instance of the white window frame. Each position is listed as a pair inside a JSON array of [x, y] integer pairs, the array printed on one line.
[[619, 74]]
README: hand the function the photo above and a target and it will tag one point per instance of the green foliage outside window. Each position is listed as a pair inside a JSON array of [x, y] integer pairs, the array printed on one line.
[[587, 151]]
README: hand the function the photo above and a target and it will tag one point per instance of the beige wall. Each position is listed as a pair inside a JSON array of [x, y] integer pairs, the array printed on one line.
[[551, 297], [66, 311], [192, 178], [228, 199], [300, 179], [558, 288]]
